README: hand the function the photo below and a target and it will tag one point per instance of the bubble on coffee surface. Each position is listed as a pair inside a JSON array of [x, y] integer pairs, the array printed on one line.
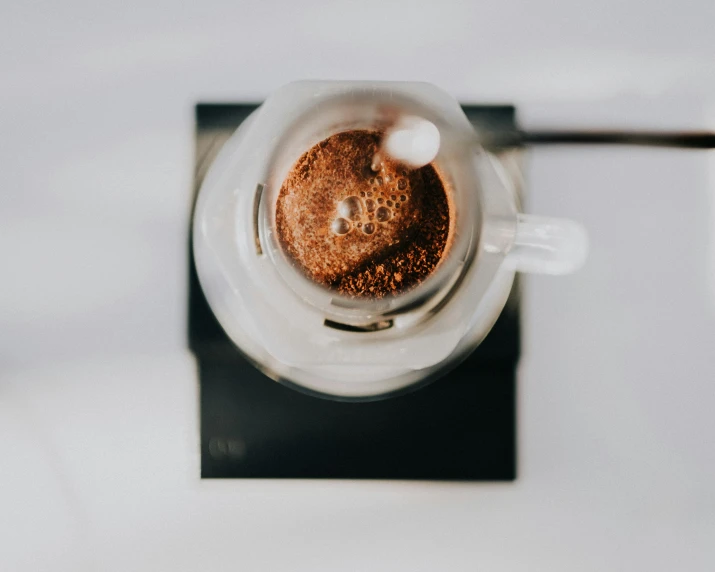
[[402, 184], [370, 205], [368, 228], [340, 226], [376, 164], [383, 214], [350, 208]]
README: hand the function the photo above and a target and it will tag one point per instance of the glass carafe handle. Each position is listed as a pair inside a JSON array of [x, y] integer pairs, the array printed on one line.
[[545, 245]]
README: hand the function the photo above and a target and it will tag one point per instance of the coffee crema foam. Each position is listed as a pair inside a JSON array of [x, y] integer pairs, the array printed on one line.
[[362, 227]]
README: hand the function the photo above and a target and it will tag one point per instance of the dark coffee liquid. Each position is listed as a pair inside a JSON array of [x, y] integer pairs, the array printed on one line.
[[362, 229]]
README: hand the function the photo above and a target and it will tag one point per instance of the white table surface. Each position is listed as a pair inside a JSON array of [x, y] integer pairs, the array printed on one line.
[[98, 394]]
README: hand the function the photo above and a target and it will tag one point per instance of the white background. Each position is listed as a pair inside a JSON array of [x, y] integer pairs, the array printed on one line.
[[98, 404]]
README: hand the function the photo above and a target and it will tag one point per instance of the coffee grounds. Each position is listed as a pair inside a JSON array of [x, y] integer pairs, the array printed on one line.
[[363, 233]]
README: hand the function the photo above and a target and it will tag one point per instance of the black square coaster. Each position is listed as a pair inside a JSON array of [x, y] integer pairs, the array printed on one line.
[[460, 427]]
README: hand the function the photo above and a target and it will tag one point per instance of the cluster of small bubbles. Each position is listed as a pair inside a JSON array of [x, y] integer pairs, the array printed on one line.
[[374, 205]]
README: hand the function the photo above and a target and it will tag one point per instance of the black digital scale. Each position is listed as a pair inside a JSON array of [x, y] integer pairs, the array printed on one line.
[[460, 427]]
